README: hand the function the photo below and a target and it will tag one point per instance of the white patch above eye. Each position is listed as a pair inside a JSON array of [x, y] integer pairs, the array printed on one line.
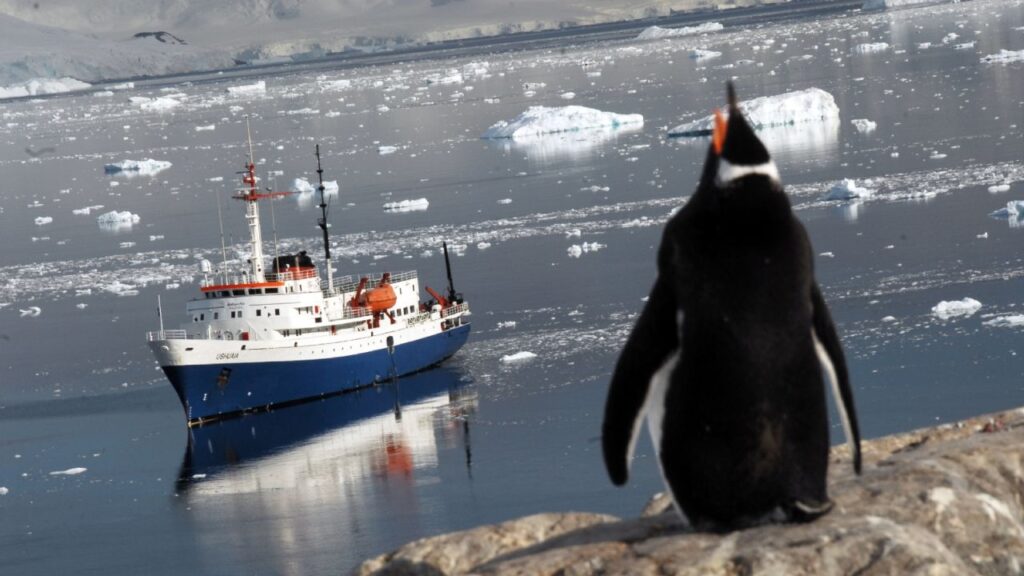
[[728, 172]]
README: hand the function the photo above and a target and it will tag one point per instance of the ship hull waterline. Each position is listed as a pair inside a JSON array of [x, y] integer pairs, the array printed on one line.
[[214, 391]]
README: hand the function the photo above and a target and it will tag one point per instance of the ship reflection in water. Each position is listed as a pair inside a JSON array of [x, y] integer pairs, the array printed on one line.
[[347, 473]]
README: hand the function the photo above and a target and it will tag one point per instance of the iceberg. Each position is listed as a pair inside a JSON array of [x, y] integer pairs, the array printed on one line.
[[870, 48], [1004, 57], [539, 121], [657, 32], [701, 54], [951, 308], [248, 89], [43, 220], [302, 186], [518, 357], [1009, 321], [791, 108], [115, 221], [847, 189], [863, 125], [1013, 213], [418, 204], [40, 86], [147, 167], [159, 104]]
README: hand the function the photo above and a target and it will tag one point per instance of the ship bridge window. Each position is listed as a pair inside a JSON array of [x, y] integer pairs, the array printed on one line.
[[277, 311], [259, 312], [216, 315], [253, 291], [271, 290], [238, 292], [224, 293]]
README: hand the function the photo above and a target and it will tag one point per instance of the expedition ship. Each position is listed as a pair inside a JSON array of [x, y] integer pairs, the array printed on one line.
[[263, 338]]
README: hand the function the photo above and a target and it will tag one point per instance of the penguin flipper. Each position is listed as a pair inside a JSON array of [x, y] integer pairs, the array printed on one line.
[[652, 341], [830, 354]]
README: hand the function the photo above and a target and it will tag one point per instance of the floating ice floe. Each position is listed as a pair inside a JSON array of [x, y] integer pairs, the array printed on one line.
[[518, 357], [40, 86], [407, 205], [147, 167], [206, 128], [997, 188], [87, 210], [702, 54], [951, 308], [657, 32], [965, 46], [303, 186], [69, 472], [1008, 321], [4, 491], [863, 125], [577, 250], [248, 89], [538, 121], [159, 104], [1004, 57], [382, 150], [567, 95], [117, 221], [43, 220], [870, 48], [30, 312], [1013, 213], [791, 108], [847, 189]]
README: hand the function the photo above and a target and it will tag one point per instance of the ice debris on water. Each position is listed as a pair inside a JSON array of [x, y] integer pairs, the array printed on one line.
[[518, 357], [847, 189], [147, 167], [863, 125], [870, 48], [952, 308], [87, 210], [159, 104], [407, 205], [43, 220], [382, 150], [1004, 57], [538, 121], [31, 312], [302, 186], [69, 472], [4, 491], [39, 86], [996, 188], [702, 54], [248, 89], [657, 32], [790, 108], [577, 250]]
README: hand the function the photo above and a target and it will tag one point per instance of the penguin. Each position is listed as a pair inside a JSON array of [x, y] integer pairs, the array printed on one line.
[[729, 357]]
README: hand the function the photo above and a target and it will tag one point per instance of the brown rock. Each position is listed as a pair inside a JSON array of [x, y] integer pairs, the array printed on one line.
[[941, 501]]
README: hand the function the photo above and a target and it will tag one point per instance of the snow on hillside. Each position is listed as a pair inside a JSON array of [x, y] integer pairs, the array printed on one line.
[[30, 54], [791, 108], [105, 39]]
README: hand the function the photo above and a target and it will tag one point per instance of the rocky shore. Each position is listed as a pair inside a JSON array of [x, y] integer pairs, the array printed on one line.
[[937, 501]]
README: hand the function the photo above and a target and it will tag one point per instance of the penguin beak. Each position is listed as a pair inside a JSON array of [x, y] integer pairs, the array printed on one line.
[[718, 132]]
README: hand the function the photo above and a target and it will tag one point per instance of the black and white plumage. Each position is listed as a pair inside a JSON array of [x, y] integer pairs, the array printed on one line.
[[729, 358]]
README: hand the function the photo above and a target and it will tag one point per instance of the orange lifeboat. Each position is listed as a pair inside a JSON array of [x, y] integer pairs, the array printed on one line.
[[381, 298]]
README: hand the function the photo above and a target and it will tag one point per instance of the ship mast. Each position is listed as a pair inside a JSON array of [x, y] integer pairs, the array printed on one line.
[[251, 196], [322, 222]]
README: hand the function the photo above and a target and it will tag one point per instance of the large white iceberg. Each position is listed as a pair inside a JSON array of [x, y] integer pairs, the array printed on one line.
[[117, 221], [847, 189], [38, 86], [418, 204], [950, 308], [1013, 213], [657, 32], [539, 121], [791, 108], [147, 167]]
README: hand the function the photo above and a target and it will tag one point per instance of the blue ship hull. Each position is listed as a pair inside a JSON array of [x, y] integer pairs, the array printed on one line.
[[212, 391]]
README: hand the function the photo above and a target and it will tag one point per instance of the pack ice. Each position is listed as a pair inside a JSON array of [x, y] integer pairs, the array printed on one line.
[[791, 108], [538, 121]]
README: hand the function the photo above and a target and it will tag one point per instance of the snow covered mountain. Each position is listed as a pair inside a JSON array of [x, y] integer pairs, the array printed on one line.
[[93, 40]]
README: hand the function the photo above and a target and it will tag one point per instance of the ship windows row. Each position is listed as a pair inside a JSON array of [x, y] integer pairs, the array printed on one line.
[[241, 292], [234, 314]]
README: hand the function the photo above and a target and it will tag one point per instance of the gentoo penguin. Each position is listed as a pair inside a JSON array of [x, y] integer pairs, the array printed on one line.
[[728, 357]]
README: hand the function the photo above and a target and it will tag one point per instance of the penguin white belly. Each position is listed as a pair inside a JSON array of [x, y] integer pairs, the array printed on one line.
[[655, 411]]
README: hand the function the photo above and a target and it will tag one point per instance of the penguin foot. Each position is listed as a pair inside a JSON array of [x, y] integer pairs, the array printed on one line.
[[808, 510]]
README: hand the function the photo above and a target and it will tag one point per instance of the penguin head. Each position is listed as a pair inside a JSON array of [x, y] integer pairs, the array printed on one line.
[[738, 153]]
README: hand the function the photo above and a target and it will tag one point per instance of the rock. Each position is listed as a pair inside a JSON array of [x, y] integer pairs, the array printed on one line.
[[944, 500]]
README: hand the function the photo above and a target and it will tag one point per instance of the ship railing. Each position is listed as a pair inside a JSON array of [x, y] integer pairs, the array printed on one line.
[[356, 312], [166, 335], [300, 274], [350, 282], [455, 309]]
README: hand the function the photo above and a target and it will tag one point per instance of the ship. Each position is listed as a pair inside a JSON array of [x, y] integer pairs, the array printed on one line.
[[258, 337]]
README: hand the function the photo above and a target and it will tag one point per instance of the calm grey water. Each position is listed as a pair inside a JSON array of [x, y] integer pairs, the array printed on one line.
[[317, 488]]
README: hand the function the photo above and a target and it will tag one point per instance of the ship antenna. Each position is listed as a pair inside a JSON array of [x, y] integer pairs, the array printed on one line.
[[273, 219], [223, 249], [322, 222], [448, 268]]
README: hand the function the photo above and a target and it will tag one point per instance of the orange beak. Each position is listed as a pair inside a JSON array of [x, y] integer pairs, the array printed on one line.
[[718, 132]]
